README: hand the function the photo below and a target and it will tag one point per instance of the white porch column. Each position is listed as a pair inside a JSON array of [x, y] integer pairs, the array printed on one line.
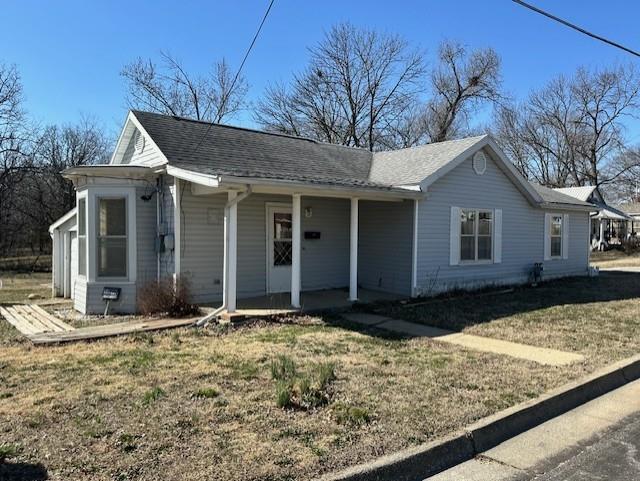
[[177, 227], [295, 251], [353, 252], [231, 253], [601, 240]]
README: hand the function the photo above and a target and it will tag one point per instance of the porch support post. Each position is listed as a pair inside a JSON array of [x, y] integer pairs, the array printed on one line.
[[353, 252], [601, 240], [295, 252], [231, 253]]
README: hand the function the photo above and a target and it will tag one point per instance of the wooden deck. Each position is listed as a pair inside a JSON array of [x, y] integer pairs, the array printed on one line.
[[41, 327]]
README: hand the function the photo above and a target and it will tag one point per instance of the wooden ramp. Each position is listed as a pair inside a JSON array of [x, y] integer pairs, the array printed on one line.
[[31, 320], [109, 330], [41, 327]]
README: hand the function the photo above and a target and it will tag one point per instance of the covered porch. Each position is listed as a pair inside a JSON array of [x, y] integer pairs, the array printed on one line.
[[292, 247], [609, 228]]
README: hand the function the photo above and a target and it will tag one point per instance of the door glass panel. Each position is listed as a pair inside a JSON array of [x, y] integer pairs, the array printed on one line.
[[281, 253], [281, 225], [282, 230]]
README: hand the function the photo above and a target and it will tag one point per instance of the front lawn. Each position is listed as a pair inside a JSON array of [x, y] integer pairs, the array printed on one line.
[[195, 404], [598, 317], [615, 258]]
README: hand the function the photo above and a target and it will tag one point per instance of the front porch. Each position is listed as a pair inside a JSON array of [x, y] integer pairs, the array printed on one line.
[[260, 250], [310, 301]]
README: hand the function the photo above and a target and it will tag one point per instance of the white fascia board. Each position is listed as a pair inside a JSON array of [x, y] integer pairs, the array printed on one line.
[[125, 137], [137, 123], [62, 220], [122, 138], [324, 190], [552, 206], [195, 177]]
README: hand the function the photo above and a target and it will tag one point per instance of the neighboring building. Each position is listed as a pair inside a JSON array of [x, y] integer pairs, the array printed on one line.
[[632, 209], [609, 224], [244, 214]]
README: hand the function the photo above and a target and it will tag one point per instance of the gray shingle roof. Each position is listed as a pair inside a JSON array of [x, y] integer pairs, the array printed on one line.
[[554, 197], [241, 152], [413, 165]]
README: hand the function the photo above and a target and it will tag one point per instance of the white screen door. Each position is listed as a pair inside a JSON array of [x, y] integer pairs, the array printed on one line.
[[279, 249]]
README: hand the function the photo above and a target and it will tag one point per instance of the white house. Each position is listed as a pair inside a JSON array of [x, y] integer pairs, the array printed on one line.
[[244, 214], [609, 224]]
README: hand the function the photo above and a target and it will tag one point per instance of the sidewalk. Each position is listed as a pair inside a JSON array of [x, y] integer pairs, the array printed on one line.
[[599, 429], [541, 355]]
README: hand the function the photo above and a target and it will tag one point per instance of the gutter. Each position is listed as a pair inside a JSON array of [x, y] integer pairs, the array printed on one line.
[[394, 192]]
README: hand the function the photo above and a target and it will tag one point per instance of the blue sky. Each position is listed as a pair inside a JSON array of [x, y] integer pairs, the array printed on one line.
[[70, 52]]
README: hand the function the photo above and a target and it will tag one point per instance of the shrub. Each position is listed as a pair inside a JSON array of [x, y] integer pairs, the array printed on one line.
[[353, 415], [283, 368], [153, 395], [165, 296], [207, 393], [7, 451]]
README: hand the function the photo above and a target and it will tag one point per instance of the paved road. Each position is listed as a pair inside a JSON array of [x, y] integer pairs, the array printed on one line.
[[614, 457], [598, 441]]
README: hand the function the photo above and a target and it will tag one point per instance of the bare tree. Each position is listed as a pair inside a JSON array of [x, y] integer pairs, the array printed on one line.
[[571, 132], [170, 89], [357, 83], [461, 83], [14, 142]]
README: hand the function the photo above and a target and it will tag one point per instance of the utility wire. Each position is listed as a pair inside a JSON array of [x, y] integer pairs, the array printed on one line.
[[575, 27], [235, 79]]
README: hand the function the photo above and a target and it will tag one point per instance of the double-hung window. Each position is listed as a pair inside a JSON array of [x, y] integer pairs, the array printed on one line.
[[556, 236], [112, 237], [82, 236], [476, 235]]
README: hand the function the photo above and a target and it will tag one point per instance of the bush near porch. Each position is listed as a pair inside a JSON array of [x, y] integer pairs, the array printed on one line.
[[202, 404]]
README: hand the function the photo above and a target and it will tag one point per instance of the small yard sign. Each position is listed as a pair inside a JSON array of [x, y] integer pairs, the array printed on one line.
[[110, 293]]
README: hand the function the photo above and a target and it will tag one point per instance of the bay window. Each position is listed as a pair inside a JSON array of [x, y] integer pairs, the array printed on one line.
[[112, 237], [82, 236]]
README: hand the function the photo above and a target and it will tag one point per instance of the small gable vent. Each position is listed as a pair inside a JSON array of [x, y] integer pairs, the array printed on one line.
[[139, 142], [479, 162]]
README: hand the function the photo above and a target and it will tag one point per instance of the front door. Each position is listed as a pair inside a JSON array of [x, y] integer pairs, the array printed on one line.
[[279, 248]]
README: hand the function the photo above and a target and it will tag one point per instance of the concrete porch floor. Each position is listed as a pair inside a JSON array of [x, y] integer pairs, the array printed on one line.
[[310, 301]]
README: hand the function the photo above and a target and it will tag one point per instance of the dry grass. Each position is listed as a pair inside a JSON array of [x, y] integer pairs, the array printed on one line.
[[16, 287], [615, 258], [598, 317], [132, 408], [201, 404]]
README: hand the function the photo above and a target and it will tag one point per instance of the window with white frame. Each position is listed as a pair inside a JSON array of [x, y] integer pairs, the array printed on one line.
[[82, 236], [112, 237], [555, 233], [476, 232]]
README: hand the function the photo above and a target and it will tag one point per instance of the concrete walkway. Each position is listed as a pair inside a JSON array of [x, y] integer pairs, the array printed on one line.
[[596, 441], [541, 355]]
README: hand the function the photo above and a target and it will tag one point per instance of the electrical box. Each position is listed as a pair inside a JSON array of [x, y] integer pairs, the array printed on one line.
[[169, 242]]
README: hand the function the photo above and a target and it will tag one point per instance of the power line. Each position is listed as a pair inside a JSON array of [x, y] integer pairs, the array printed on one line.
[[235, 79], [575, 27]]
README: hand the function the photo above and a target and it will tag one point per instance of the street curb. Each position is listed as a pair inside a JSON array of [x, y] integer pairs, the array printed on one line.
[[415, 464]]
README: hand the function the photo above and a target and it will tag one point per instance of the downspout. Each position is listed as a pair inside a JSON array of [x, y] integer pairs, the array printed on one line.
[[212, 315], [158, 226]]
